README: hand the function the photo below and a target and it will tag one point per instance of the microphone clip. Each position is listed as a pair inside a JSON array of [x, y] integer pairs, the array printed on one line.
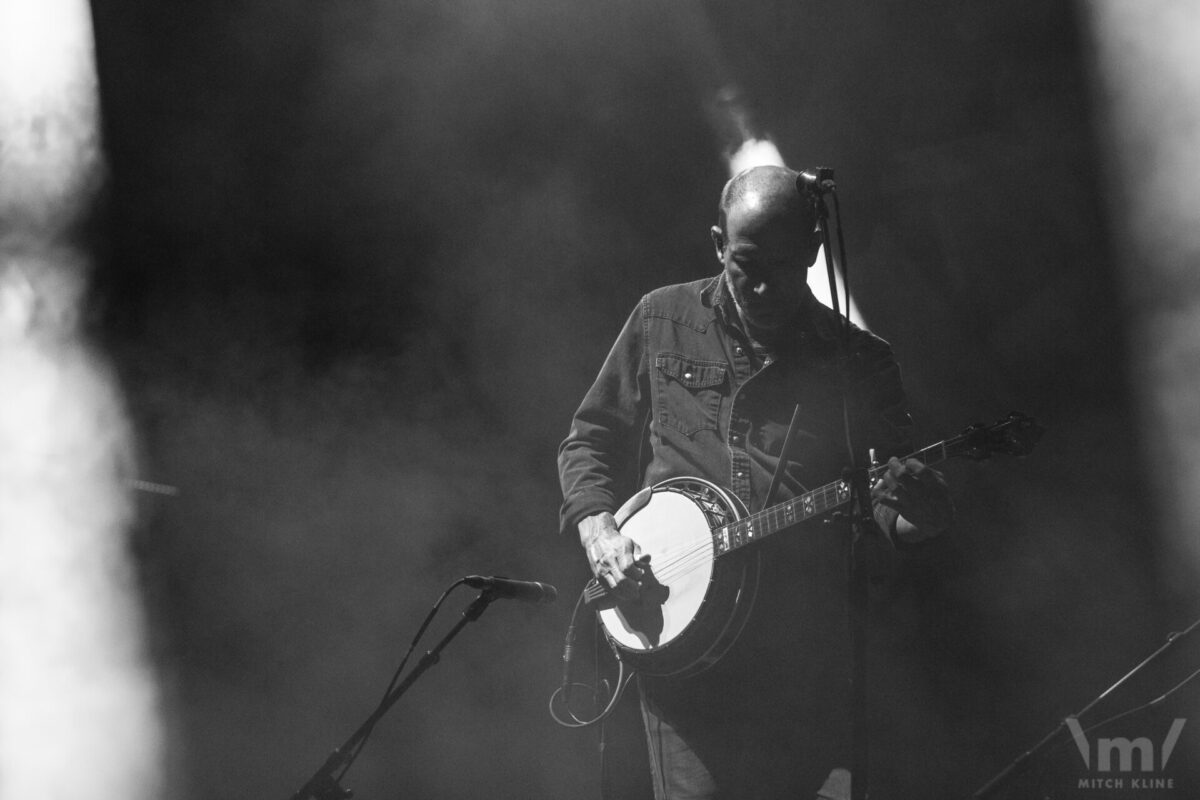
[[816, 182]]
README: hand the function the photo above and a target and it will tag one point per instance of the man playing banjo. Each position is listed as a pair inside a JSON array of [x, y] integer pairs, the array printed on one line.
[[703, 382]]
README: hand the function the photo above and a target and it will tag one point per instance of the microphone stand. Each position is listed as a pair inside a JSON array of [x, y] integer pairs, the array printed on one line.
[[989, 788], [861, 518], [323, 785]]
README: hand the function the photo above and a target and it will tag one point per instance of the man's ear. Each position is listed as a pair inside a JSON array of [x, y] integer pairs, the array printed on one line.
[[718, 237]]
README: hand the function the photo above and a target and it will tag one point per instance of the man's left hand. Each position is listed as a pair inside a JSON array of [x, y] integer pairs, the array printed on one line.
[[921, 496]]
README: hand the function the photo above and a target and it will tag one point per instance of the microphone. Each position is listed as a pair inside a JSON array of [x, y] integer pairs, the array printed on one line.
[[525, 591], [815, 182]]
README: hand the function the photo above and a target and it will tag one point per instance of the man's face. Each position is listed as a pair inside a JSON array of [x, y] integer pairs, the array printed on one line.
[[766, 255]]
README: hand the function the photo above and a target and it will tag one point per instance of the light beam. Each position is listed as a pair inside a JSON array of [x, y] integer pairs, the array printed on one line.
[[1148, 71], [78, 701]]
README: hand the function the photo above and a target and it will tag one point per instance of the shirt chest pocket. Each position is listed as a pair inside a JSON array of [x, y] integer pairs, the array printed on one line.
[[689, 392]]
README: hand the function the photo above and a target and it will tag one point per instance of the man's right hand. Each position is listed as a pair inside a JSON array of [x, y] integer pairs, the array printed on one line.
[[614, 558]]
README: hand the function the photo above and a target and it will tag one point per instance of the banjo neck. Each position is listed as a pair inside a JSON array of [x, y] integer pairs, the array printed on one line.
[[1014, 434]]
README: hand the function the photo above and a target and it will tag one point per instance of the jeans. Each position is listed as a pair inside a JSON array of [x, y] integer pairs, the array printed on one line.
[[679, 770]]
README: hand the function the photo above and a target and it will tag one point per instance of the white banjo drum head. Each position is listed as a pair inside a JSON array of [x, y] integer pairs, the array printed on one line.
[[673, 530]]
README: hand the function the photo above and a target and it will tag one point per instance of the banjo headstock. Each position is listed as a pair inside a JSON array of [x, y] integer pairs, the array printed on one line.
[[1014, 435]]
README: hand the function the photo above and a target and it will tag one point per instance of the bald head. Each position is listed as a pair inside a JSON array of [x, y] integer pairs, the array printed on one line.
[[769, 191], [765, 241]]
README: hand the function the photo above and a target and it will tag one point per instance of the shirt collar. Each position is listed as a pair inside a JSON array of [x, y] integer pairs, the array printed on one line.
[[715, 295], [815, 317]]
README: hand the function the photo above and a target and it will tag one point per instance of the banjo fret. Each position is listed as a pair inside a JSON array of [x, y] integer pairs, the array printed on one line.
[[780, 517]]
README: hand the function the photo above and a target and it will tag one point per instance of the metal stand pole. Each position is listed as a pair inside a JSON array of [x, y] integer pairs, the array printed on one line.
[[816, 186]]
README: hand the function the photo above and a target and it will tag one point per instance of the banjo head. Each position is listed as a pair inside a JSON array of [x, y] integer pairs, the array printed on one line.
[[674, 530]]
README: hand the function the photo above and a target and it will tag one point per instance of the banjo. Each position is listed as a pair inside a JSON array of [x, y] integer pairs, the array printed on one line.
[[694, 600]]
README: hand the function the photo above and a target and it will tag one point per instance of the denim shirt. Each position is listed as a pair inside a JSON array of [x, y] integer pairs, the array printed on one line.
[[685, 392]]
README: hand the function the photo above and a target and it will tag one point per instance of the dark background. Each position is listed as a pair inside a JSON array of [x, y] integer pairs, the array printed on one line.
[[357, 263]]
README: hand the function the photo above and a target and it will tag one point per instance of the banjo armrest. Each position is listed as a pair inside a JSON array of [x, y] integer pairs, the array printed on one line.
[[633, 505]]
